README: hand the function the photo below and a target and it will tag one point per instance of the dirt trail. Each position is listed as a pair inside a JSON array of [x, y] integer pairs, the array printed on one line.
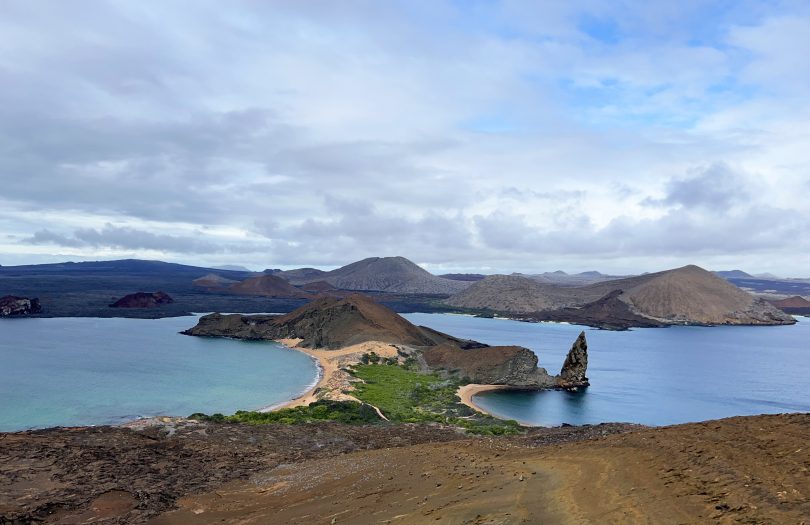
[[748, 470], [740, 470]]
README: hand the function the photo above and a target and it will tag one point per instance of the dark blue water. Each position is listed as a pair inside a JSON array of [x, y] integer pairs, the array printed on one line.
[[79, 371], [654, 376]]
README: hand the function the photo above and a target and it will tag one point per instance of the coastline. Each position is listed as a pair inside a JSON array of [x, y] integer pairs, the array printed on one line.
[[333, 381], [467, 392]]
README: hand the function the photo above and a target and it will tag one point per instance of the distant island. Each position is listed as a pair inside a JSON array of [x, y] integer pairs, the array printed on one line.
[[688, 295]]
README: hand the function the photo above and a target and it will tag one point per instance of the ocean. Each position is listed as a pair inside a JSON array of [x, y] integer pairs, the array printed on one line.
[[88, 371], [653, 376]]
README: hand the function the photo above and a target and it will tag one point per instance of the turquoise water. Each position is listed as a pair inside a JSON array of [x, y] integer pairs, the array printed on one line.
[[80, 371], [654, 376]]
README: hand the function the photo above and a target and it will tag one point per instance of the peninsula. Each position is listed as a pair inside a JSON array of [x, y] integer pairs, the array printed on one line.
[[341, 333]]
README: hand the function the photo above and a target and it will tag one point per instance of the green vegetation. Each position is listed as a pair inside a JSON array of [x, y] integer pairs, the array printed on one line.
[[347, 412], [402, 393], [408, 396]]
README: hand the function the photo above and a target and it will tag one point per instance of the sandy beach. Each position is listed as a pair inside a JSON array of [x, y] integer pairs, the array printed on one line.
[[333, 381], [467, 392]]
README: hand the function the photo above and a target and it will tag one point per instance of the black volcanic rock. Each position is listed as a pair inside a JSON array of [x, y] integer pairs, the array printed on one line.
[[13, 306], [573, 371], [143, 300]]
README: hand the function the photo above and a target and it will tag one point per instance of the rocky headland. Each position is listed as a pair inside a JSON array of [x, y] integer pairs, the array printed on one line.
[[330, 328], [13, 306]]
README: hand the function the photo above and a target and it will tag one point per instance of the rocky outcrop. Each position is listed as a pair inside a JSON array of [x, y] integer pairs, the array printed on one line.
[[508, 365], [573, 371], [492, 365], [143, 300], [13, 306]]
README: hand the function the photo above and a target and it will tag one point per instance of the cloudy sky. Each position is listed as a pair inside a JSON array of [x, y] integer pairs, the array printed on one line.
[[486, 136]]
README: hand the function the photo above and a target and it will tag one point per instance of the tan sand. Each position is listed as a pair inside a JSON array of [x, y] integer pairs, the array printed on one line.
[[467, 392], [334, 381]]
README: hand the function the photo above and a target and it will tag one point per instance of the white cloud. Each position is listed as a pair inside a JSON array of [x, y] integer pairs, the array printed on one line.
[[486, 135]]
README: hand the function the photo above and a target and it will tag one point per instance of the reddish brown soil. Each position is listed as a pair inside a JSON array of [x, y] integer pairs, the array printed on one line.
[[792, 302], [742, 470], [143, 300], [269, 286]]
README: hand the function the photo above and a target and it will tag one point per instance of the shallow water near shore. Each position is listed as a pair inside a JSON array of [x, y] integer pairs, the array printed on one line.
[[87, 371], [653, 376]]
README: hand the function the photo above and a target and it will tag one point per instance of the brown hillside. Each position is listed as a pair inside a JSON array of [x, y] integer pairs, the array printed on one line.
[[269, 286], [694, 295], [213, 280], [301, 275], [330, 322], [142, 300], [796, 301], [388, 274], [684, 295], [317, 287], [510, 293], [327, 322]]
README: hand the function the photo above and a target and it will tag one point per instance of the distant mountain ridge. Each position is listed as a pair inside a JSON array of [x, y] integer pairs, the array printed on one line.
[[380, 274], [734, 274], [689, 295], [268, 286]]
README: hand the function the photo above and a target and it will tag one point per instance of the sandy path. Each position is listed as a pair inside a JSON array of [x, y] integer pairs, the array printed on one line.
[[334, 382]]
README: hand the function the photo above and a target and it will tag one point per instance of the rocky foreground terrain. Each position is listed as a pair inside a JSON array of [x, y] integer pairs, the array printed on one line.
[[738, 470]]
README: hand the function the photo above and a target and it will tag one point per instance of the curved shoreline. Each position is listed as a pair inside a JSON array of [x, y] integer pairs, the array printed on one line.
[[332, 380], [466, 394]]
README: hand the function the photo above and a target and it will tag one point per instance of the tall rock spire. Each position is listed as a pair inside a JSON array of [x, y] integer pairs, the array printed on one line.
[[573, 371]]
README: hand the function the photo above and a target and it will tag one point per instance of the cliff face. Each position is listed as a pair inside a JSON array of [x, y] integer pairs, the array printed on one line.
[[13, 306], [492, 365], [509, 365]]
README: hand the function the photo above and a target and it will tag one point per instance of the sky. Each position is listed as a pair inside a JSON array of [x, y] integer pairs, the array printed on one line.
[[481, 136]]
